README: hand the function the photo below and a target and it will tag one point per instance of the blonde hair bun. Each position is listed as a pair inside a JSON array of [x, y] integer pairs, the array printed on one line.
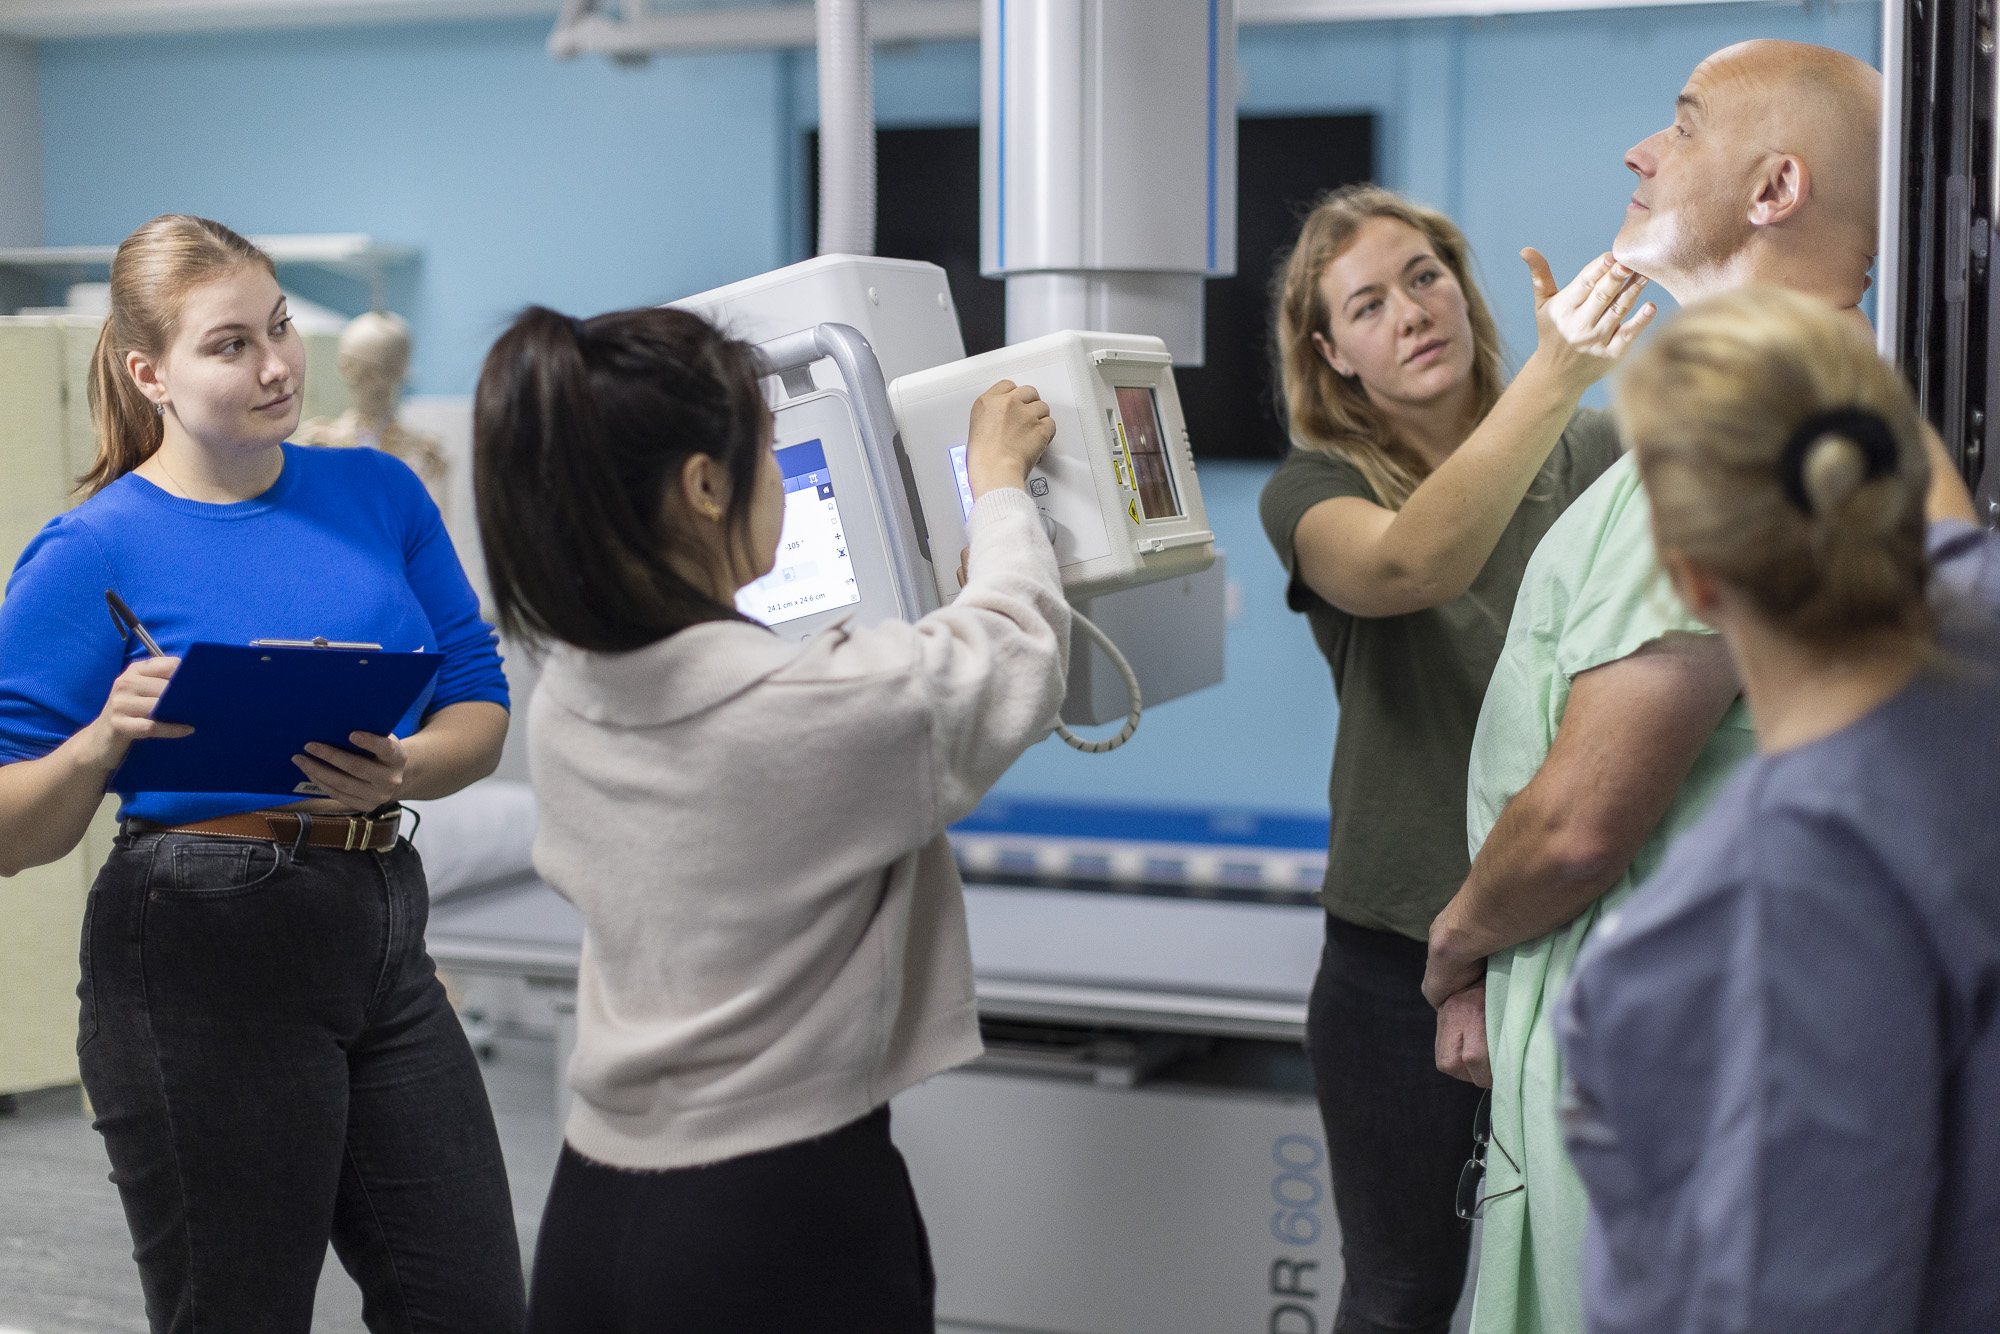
[[1784, 457], [1834, 469]]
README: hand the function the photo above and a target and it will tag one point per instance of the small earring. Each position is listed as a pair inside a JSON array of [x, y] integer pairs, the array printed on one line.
[[160, 409], [713, 511]]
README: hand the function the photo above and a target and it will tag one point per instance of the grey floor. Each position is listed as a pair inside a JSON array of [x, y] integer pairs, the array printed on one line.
[[65, 1255], [66, 1258]]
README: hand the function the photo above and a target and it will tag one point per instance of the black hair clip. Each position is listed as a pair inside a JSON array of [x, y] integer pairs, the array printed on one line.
[[1865, 428]]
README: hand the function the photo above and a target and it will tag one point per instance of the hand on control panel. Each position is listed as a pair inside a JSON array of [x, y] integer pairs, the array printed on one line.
[[1010, 428]]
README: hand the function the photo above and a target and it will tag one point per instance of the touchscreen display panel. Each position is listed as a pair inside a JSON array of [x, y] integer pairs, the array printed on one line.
[[814, 572], [964, 480], [1152, 472]]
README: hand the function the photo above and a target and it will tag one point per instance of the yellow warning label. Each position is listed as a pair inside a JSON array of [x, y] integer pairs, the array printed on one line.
[[1121, 457], [1132, 508]]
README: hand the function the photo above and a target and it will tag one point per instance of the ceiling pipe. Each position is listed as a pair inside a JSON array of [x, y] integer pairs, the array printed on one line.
[[583, 31], [781, 26], [648, 32], [846, 129]]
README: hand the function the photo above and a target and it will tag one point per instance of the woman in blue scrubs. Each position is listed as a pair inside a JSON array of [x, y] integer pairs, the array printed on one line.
[[1784, 1056]]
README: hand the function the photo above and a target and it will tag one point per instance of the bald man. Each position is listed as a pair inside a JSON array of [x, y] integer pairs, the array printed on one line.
[[1768, 174], [1613, 715]]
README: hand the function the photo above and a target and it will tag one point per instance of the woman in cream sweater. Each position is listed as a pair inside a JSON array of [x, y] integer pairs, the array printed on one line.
[[753, 830]]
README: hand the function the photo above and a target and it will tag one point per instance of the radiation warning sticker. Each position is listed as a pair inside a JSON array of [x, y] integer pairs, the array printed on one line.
[[1132, 508]]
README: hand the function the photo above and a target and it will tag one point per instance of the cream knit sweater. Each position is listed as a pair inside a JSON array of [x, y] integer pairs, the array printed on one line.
[[753, 831]]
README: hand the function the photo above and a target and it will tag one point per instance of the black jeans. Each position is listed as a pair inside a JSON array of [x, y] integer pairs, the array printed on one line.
[[273, 1063], [818, 1237], [1398, 1133]]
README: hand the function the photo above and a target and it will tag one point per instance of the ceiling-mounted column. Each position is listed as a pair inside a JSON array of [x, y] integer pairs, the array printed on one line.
[[1108, 163]]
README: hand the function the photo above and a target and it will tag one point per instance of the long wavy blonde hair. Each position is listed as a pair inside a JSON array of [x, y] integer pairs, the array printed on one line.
[[1331, 412]]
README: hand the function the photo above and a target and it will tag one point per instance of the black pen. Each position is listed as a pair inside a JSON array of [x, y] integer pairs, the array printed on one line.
[[128, 624]]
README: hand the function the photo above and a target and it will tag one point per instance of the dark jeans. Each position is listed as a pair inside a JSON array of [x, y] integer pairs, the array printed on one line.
[[273, 1064], [818, 1237], [1398, 1133]]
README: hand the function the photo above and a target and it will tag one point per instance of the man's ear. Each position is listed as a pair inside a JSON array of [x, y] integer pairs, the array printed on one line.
[[1332, 356], [1783, 184]]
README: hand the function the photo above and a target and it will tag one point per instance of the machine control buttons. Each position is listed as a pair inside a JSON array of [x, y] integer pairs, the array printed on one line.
[[1048, 524], [1038, 486]]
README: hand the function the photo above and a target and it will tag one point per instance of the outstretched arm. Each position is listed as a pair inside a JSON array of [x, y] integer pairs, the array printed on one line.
[[1631, 732]]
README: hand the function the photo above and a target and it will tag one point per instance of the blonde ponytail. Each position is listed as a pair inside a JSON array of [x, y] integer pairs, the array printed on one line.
[[152, 273], [127, 425]]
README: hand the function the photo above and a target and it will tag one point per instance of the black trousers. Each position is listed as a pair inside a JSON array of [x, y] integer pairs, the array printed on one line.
[[274, 1064], [818, 1237], [1398, 1133]]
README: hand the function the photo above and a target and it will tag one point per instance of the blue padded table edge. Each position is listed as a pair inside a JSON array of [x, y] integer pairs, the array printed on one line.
[[1225, 826]]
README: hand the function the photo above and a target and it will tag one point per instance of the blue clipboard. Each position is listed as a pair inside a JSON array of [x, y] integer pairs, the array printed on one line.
[[254, 708]]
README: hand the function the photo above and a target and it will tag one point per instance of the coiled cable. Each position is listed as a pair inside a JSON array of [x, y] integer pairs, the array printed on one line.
[[1103, 641]]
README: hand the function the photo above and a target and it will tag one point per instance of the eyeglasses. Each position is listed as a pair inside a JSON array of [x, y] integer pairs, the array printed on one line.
[[1472, 1204]]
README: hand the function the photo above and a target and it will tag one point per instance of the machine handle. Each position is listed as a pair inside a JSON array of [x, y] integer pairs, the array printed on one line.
[[1130, 357], [869, 396]]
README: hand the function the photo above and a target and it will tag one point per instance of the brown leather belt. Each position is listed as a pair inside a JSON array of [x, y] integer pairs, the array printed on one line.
[[342, 833]]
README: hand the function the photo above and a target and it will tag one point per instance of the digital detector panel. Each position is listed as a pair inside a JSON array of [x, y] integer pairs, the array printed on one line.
[[1116, 488]]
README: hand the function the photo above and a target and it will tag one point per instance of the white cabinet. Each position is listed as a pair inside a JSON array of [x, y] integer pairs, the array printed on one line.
[[42, 448]]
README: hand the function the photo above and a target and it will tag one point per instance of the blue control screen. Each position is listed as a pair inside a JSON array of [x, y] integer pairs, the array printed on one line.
[[813, 570], [964, 480]]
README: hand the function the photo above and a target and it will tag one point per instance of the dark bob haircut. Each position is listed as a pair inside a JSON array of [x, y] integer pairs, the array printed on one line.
[[578, 429]]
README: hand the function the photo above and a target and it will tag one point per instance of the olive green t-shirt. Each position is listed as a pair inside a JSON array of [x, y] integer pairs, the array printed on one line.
[[1410, 687]]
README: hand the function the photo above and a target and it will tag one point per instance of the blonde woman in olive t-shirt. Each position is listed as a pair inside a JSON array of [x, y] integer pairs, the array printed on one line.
[[1418, 486]]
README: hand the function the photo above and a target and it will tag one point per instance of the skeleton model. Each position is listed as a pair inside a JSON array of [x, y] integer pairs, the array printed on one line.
[[374, 359]]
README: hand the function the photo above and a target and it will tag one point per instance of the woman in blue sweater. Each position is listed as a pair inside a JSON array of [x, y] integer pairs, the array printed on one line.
[[271, 1057]]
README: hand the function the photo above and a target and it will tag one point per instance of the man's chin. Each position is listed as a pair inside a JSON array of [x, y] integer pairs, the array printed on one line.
[[1636, 255], [1628, 248]]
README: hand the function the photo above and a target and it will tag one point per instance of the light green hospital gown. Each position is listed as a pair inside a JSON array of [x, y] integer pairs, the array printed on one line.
[[1593, 593]]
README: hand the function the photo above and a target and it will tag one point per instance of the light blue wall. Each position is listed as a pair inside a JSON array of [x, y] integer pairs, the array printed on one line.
[[582, 185], [589, 186]]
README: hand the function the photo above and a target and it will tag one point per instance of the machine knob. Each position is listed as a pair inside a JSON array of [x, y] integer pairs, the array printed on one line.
[[1048, 524]]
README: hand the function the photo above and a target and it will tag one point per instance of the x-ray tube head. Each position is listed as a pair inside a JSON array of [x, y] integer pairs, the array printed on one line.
[[1116, 489]]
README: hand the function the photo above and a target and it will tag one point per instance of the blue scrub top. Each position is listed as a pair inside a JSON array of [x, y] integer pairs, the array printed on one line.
[[1782, 1058]]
